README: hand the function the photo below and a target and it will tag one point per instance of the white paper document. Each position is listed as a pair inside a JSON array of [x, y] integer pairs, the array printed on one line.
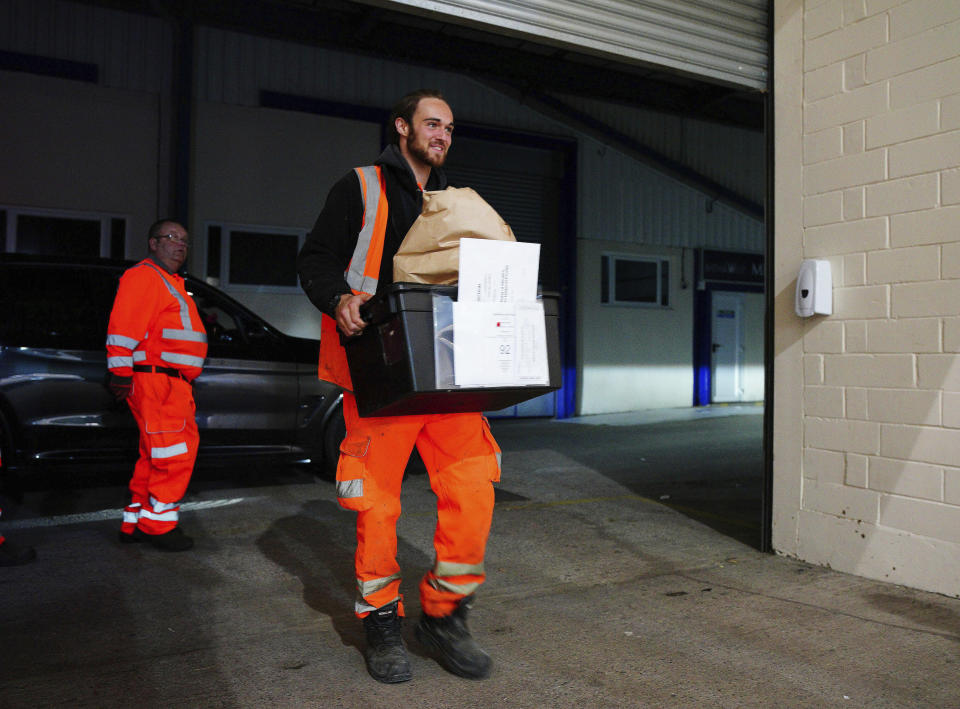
[[499, 344], [499, 331], [497, 271]]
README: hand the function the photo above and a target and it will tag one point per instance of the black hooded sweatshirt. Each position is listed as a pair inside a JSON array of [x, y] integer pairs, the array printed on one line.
[[327, 251]]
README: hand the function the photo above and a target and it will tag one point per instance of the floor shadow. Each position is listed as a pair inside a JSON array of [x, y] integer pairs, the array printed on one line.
[[317, 546], [709, 469], [942, 618]]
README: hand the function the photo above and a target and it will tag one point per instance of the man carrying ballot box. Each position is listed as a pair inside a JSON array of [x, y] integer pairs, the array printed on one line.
[[347, 258]]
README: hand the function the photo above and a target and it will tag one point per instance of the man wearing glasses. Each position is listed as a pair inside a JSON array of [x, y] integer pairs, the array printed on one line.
[[156, 344]]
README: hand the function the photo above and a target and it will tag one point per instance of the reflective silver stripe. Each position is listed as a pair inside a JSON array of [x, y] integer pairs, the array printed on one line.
[[114, 362], [162, 506], [177, 358], [452, 568], [365, 588], [464, 589], [130, 517], [350, 488], [169, 451], [500, 462], [184, 309], [361, 606], [122, 341], [171, 516], [139, 356], [354, 274], [188, 335]]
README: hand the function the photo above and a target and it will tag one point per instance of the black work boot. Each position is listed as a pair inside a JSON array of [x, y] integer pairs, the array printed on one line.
[[385, 654], [449, 640]]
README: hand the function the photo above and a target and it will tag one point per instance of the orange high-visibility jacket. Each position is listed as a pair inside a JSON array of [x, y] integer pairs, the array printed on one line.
[[361, 274], [154, 321]]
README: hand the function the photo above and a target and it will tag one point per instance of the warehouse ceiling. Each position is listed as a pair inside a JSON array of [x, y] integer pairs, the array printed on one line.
[[522, 66]]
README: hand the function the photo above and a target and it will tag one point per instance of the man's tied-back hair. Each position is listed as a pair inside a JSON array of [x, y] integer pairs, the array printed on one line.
[[406, 107]]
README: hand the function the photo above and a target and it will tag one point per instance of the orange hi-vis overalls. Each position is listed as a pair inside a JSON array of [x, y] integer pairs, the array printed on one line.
[[156, 336], [460, 454]]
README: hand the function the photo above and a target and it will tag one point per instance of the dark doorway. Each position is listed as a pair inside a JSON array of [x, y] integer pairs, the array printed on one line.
[[530, 181]]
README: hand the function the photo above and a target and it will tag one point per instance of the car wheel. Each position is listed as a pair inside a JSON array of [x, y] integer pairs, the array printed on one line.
[[333, 434]]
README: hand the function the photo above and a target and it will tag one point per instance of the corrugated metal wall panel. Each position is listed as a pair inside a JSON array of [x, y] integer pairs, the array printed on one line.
[[645, 207], [131, 50], [732, 157], [233, 68], [623, 200], [660, 131], [722, 40], [509, 193]]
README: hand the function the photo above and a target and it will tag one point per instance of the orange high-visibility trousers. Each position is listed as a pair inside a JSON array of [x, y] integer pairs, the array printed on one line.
[[166, 415], [463, 461]]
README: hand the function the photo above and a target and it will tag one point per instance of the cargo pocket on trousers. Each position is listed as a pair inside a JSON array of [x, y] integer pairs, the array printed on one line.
[[495, 451], [352, 473]]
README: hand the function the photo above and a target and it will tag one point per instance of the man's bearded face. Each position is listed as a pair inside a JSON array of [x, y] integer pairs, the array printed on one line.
[[430, 132]]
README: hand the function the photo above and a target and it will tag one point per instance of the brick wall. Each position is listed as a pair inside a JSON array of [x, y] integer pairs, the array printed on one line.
[[878, 384]]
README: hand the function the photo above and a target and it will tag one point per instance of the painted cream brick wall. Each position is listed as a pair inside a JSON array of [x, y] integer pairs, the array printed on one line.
[[873, 88]]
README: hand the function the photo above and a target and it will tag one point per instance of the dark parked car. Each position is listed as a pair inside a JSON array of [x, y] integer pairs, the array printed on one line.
[[258, 397]]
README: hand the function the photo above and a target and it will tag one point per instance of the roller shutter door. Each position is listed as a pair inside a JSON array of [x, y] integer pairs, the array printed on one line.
[[719, 40], [522, 185]]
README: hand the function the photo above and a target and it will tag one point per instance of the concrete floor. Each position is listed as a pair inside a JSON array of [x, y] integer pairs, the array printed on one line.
[[599, 594]]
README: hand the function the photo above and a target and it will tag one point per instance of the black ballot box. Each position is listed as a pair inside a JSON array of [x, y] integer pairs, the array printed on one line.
[[394, 361]]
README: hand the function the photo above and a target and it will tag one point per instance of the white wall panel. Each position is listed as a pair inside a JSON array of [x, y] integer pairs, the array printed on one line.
[[632, 358], [74, 146]]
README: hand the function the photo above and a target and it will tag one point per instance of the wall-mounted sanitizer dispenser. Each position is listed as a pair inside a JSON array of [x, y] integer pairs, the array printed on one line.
[[814, 289]]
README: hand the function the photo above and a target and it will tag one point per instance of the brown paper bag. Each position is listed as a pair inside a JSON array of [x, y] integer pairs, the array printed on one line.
[[430, 252]]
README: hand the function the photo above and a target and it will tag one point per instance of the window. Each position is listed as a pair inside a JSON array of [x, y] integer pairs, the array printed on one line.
[[57, 232], [634, 280], [254, 257]]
